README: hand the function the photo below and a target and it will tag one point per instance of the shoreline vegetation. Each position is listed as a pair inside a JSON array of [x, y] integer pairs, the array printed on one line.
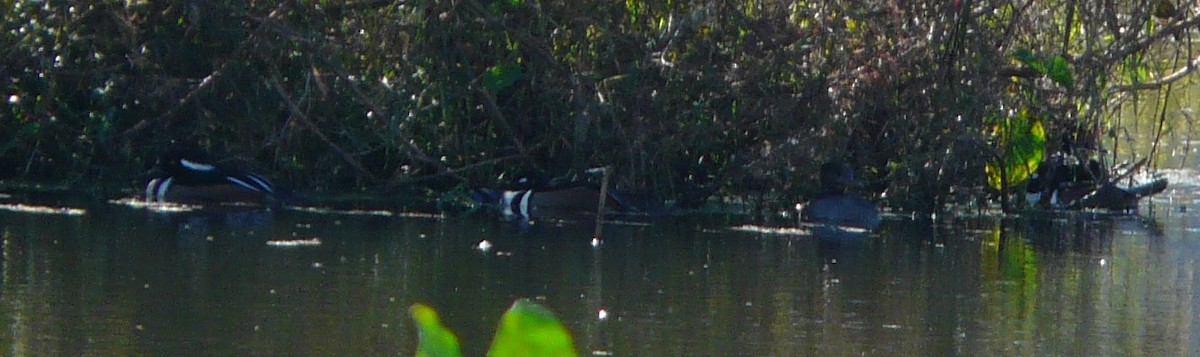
[[933, 102]]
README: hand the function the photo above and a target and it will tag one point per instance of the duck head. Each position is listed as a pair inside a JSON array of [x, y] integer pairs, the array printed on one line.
[[836, 177]]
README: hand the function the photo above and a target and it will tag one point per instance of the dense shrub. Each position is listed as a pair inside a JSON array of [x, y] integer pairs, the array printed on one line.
[[681, 98]]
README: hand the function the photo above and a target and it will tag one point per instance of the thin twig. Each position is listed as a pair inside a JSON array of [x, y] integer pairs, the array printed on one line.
[[407, 145], [600, 206], [493, 110], [1162, 119], [205, 83], [299, 115], [453, 172], [1181, 73]]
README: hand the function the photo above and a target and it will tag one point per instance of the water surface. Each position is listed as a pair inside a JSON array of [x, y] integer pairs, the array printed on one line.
[[120, 280]]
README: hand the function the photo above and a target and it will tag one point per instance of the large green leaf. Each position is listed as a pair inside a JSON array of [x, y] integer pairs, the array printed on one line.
[[434, 340], [1023, 140], [501, 76], [1055, 67], [528, 329]]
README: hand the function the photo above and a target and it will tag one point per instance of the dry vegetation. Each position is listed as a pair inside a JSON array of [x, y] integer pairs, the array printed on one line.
[[683, 99]]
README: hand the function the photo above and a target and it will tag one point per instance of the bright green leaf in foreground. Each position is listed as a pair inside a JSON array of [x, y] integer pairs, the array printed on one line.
[[528, 329], [434, 339], [1023, 140]]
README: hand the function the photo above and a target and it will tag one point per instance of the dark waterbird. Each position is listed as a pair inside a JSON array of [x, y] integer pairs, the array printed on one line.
[[579, 201], [834, 205], [1063, 183], [189, 176], [538, 196]]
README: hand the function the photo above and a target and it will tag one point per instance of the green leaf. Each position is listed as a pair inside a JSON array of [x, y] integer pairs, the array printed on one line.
[[1025, 56], [1056, 67], [1060, 71], [1023, 140], [434, 340], [501, 76], [528, 329]]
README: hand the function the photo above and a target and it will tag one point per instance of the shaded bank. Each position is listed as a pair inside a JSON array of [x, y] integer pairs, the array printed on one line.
[[683, 100]]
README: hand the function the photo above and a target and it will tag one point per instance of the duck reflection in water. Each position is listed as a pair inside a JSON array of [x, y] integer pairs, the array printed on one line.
[[197, 228], [834, 207]]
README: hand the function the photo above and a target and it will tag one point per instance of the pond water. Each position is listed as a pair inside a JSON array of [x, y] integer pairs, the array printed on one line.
[[113, 279]]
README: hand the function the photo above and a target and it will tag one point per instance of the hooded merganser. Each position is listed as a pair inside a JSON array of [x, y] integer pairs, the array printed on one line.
[[529, 204], [188, 176], [833, 205], [1063, 182]]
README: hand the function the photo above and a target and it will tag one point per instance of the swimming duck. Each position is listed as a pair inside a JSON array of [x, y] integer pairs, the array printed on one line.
[[566, 202], [189, 176], [1062, 182], [835, 206]]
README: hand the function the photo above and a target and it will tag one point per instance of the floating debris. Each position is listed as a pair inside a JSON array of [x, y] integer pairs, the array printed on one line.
[[484, 246], [294, 242], [24, 208]]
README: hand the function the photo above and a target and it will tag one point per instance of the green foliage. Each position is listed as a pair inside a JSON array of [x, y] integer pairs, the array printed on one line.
[[501, 76], [1023, 139], [526, 329], [682, 99], [1135, 68], [1053, 66], [434, 340]]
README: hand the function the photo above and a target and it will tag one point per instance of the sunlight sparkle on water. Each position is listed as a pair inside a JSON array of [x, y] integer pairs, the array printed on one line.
[[159, 207], [294, 242], [771, 230], [326, 210], [23, 208]]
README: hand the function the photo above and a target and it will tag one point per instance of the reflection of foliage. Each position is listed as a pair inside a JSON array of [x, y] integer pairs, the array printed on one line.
[[683, 98], [1024, 144], [526, 329], [1018, 268]]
